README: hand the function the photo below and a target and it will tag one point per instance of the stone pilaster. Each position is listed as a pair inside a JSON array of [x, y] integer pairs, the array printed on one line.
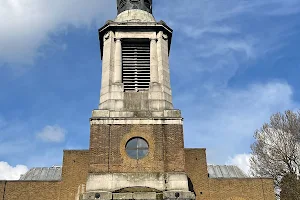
[[153, 60], [118, 62]]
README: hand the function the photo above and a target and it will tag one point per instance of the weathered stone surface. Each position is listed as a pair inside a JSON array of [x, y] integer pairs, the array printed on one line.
[[144, 195], [118, 181], [178, 195], [137, 121], [135, 16], [97, 195], [158, 96], [121, 196], [138, 115]]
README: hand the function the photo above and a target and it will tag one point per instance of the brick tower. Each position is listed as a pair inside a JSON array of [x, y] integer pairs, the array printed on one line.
[[136, 139]]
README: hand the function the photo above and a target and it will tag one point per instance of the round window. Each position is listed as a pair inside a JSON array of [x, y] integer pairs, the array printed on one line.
[[137, 148]]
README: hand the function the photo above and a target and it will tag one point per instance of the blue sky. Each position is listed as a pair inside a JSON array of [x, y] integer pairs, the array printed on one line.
[[233, 64]]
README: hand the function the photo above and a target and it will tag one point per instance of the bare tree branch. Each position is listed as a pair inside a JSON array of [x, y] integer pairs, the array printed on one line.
[[276, 150]]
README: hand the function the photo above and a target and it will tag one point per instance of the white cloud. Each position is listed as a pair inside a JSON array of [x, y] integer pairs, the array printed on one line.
[[224, 121], [242, 161], [8, 172], [26, 25], [214, 38], [52, 134]]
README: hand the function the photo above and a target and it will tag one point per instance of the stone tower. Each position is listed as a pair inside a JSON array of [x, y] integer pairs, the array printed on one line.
[[136, 140]]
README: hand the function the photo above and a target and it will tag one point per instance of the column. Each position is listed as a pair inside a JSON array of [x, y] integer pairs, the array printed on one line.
[[153, 61], [118, 61]]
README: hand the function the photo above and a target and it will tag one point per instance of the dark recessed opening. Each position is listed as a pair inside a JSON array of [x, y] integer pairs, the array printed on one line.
[[97, 196], [136, 65], [201, 192], [177, 194]]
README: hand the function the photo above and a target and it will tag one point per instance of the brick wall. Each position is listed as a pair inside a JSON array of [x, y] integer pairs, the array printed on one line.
[[31, 190], [268, 187], [107, 147], [196, 169], [2, 185], [74, 174], [223, 189], [243, 189]]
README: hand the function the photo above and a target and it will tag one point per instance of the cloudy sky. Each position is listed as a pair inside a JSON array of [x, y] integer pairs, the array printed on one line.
[[233, 64]]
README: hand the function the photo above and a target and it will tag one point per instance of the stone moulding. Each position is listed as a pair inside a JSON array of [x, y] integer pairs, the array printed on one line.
[[134, 27], [136, 121]]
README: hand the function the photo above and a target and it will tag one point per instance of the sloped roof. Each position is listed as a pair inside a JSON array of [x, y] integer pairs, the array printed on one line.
[[54, 173], [225, 171], [43, 174]]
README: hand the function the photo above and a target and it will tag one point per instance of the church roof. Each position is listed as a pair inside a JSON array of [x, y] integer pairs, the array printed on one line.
[[54, 173], [225, 171], [43, 174]]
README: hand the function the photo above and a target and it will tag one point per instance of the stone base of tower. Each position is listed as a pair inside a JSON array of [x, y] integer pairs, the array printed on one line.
[[138, 186], [166, 195], [113, 174]]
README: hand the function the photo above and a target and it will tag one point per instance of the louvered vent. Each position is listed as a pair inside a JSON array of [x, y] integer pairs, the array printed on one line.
[[136, 65]]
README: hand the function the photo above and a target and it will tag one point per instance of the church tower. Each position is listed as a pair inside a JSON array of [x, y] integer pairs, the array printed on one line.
[[136, 139], [136, 136]]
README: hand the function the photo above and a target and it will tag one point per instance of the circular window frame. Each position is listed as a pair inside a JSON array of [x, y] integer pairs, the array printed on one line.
[[137, 148]]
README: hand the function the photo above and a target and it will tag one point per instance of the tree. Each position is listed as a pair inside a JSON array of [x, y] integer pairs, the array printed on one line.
[[290, 187], [276, 151]]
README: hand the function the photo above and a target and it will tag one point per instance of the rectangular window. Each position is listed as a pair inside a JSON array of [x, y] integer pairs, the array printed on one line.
[[136, 65]]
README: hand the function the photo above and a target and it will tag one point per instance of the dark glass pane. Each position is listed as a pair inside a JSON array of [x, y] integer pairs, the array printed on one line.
[[137, 148], [142, 153], [142, 143], [132, 144], [132, 153]]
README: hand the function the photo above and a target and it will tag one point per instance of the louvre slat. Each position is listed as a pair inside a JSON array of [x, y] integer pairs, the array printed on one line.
[[136, 63], [134, 80], [133, 67], [133, 48], [137, 76], [136, 66], [134, 86], [130, 51], [137, 57]]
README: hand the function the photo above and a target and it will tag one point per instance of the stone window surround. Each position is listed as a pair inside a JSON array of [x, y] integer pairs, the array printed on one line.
[[152, 36]]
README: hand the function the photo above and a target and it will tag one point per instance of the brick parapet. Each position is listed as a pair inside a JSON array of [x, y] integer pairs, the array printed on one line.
[[223, 188], [196, 169], [33, 190], [74, 174], [243, 189]]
